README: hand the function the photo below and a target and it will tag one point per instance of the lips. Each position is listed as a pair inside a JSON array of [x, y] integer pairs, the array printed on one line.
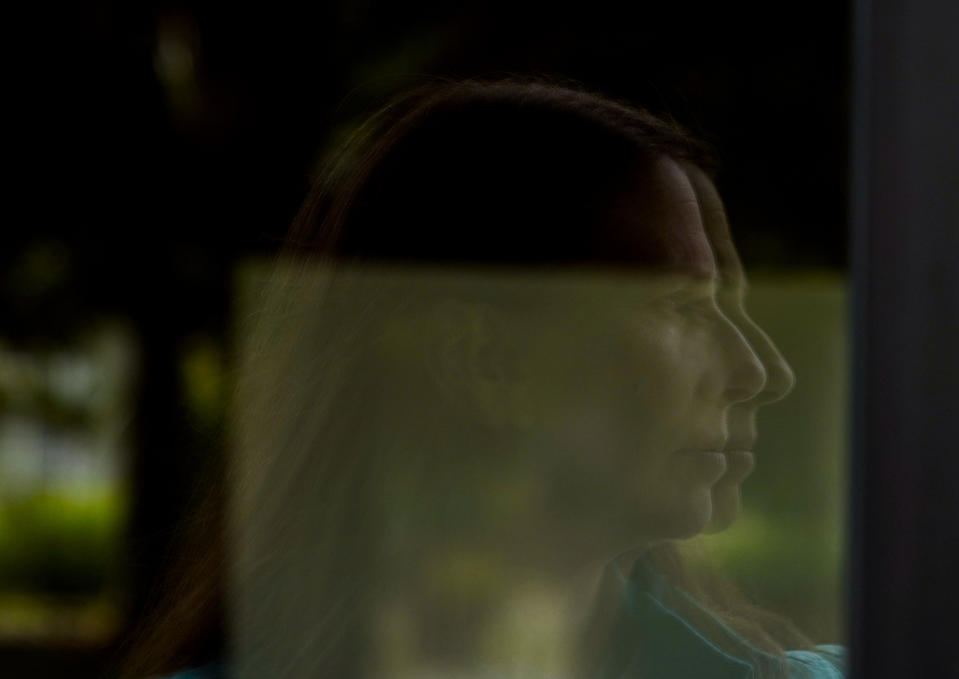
[[739, 465], [701, 468], [715, 467]]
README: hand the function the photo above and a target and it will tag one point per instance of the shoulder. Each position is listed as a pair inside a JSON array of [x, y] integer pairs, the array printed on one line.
[[828, 661]]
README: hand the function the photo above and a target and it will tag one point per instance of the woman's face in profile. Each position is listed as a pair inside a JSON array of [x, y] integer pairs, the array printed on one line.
[[646, 417], [741, 418]]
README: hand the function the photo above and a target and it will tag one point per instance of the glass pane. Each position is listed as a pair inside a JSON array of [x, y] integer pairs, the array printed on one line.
[[547, 379]]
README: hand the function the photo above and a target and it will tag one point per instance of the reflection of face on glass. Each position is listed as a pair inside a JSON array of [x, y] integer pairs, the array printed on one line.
[[442, 459], [560, 416], [639, 386], [779, 377], [675, 370]]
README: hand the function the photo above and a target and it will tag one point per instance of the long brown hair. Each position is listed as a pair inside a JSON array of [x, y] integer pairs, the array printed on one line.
[[506, 172]]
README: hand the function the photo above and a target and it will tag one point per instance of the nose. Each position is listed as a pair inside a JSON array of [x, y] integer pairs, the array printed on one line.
[[780, 378], [747, 376]]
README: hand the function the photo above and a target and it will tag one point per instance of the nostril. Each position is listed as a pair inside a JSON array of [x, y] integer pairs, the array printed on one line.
[[747, 383]]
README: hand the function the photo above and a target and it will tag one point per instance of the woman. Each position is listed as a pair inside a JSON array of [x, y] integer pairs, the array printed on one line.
[[504, 369]]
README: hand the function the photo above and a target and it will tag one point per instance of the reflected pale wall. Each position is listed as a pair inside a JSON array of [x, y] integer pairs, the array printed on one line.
[[350, 531]]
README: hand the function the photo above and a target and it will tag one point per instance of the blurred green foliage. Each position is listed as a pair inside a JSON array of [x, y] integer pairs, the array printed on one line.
[[55, 543]]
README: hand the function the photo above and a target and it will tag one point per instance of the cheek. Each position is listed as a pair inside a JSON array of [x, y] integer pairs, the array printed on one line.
[[621, 394], [614, 407], [667, 366]]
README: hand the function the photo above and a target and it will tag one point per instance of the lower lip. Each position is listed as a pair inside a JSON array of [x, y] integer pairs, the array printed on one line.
[[701, 467], [740, 464]]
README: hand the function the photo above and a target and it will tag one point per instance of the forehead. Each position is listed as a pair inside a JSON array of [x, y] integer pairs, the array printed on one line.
[[715, 222], [658, 222]]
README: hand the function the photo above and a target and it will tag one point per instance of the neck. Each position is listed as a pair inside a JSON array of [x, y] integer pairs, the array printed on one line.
[[530, 623]]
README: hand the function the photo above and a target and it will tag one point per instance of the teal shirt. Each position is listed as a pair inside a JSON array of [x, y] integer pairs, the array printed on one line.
[[653, 641]]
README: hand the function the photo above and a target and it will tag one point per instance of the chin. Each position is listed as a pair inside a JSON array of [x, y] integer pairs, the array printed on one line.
[[726, 507], [688, 518]]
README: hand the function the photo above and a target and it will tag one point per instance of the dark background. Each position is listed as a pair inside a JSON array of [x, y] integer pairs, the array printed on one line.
[[154, 146]]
